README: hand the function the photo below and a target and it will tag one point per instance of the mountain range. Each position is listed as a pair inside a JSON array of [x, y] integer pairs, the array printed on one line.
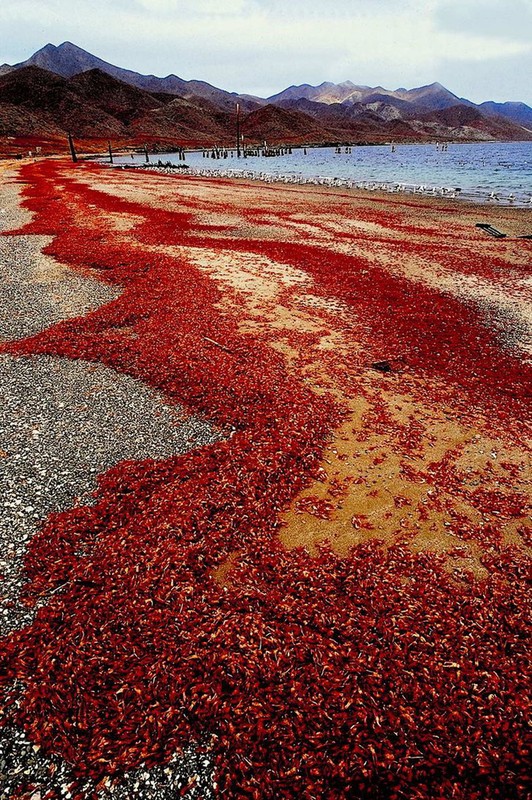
[[65, 88]]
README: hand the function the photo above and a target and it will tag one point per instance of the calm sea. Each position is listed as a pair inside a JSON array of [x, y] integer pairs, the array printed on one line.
[[499, 173]]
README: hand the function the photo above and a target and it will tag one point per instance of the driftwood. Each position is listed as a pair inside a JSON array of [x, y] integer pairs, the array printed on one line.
[[491, 230], [221, 346]]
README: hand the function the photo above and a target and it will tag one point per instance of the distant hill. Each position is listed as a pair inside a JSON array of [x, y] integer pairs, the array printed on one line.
[[405, 103], [424, 98], [64, 88], [94, 105], [275, 124], [519, 113], [324, 93], [462, 120], [68, 60]]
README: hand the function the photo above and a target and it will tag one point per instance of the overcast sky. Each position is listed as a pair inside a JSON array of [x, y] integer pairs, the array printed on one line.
[[479, 49]]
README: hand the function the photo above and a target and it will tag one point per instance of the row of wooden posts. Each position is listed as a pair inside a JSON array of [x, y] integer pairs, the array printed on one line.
[[74, 155], [223, 152], [214, 153]]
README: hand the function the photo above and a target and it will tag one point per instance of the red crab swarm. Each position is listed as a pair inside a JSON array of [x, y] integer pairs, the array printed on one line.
[[370, 676]]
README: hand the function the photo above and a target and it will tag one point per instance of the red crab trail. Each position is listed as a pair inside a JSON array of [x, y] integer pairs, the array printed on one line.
[[373, 676]]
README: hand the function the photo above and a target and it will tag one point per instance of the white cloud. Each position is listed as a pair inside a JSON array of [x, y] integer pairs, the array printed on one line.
[[192, 8], [492, 18]]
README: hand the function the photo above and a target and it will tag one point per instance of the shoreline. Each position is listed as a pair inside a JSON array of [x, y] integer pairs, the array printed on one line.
[[447, 175], [382, 187], [357, 193]]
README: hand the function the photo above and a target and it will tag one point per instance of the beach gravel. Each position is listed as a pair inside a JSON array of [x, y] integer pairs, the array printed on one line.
[[35, 290], [63, 423], [189, 774]]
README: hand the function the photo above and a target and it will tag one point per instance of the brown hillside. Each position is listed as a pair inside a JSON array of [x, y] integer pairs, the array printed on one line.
[[182, 119], [57, 103], [460, 116], [277, 125], [117, 98], [15, 119], [96, 106]]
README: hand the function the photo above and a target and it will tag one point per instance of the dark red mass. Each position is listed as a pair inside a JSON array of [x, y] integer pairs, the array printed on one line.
[[370, 676]]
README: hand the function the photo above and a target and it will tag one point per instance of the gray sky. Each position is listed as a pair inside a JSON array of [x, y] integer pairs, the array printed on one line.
[[479, 49]]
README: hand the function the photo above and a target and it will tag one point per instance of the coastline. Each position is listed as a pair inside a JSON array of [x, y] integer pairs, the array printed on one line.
[[364, 356], [517, 223], [469, 174], [381, 187]]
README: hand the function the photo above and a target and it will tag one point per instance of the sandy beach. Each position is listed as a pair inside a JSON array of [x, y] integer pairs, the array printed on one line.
[[274, 525]]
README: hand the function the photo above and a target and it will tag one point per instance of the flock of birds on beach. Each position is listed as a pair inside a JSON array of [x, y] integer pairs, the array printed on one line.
[[494, 196], [320, 180]]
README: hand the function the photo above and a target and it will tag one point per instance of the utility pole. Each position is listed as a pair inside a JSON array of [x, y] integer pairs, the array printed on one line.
[[72, 148], [238, 129]]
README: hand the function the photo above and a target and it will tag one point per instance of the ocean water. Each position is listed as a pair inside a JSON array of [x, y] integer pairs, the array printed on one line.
[[494, 172]]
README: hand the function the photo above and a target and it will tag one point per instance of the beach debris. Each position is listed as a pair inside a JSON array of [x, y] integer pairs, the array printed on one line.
[[221, 346], [491, 230], [382, 366]]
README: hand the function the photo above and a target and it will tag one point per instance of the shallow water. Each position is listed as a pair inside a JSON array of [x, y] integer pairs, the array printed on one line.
[[498, 172]]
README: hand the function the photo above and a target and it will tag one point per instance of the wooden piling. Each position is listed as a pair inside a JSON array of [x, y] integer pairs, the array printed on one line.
[[73, 153], [238, 129]]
